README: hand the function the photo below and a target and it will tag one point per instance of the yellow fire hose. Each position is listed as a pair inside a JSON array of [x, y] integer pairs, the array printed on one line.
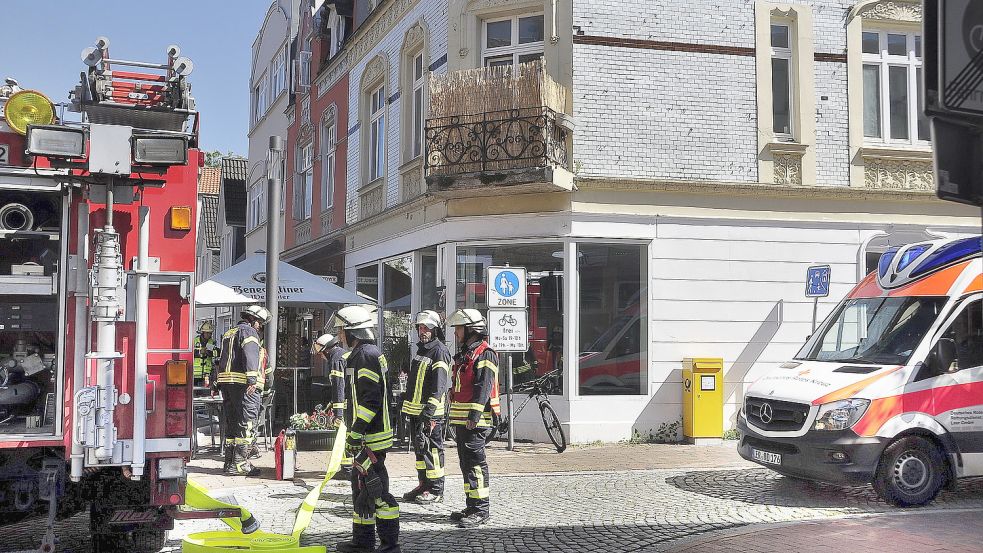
[[225, 541]]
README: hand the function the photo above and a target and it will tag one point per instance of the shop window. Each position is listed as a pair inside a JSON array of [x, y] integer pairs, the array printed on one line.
[[613, 319], [398, 334], [430, 296], [367, 282], [544, 273]]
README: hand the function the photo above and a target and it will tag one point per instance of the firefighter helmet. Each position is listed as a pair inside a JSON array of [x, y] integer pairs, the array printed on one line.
[[470, 318], [257, 312], [428, 318], [206, 326], [353, 317], [323, 342]]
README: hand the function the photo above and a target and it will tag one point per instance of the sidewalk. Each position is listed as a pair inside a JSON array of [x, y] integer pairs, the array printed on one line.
[[206, 468], [909, 531]]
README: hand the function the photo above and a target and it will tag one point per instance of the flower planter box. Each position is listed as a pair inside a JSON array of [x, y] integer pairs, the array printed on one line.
[[315, 440]]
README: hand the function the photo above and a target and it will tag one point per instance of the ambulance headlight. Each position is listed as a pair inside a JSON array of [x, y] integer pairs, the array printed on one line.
[[840, 415], [55, 141], [160, 150]]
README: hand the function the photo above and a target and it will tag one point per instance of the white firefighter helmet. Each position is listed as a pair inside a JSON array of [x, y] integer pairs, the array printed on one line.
[[206, 326], [257, 312], [470, 318], [428, 318], [353, 317], [324, 342]]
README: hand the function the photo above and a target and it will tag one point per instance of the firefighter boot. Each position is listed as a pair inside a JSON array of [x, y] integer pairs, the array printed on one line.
[[363, 539], [387, 525], [415, 492], [229, 466], [242, 465]]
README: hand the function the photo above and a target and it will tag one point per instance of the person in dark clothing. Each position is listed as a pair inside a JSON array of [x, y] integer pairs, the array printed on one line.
[[370, 436], [236, 375], [474, 408], [424, 403]]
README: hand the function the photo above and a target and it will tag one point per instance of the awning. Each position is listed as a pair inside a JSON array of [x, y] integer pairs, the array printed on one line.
[[211, 293], [296, 286]]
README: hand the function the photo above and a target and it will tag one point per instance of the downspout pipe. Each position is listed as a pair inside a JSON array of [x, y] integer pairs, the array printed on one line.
[[142, 275]]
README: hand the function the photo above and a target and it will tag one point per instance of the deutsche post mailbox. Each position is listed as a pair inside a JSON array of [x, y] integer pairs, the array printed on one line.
[[703, 398]]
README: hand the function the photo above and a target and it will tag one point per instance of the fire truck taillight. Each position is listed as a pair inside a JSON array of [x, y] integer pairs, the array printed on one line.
[[176, 400], [181, 217], [55, 141]]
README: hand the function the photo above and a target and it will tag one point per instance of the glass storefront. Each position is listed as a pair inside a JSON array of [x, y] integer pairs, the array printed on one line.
[[613, 319], [367, 282], [397, 316], [544, 273]]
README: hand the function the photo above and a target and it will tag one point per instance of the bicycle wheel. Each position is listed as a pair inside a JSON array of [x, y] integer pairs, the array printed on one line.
[[553, 427]]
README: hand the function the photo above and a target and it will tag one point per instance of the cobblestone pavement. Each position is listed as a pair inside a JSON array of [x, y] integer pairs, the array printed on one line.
[[938, 531], [626, 510]]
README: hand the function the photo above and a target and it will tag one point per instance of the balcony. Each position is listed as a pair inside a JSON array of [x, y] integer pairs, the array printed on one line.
[[493, 129]]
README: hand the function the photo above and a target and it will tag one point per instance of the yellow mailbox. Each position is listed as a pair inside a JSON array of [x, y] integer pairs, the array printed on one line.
[[703, 398]]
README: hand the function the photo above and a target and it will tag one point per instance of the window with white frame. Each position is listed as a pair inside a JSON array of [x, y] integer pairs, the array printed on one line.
[[304, 182], [329, 146], [512, 40], [256, 211], [278, 71], [892, 77], [417, 105], [782, 81], [377, 133], [262, 92]]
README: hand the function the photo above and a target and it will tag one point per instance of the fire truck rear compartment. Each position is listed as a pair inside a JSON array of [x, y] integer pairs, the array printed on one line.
[[31, 236]]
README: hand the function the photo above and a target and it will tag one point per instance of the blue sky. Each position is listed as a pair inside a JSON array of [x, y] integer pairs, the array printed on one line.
[[43, 40]]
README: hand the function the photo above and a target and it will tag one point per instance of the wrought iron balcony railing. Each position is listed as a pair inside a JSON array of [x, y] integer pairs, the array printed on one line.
[[495, 141]]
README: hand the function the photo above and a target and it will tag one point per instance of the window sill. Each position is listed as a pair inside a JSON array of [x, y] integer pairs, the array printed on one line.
[[897, 151], [370, 186], [780, 147], [412, 164]]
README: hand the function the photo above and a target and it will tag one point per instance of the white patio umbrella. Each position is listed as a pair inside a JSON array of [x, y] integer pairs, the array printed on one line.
[[213, 294], [296, 286]]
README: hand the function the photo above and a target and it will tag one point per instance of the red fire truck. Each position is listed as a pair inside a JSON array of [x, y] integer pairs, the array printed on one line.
[[97, 260]]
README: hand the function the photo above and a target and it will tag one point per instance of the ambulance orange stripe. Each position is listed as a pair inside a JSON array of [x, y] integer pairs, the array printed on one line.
[[975, 286], [932, 402], [851, 390], [938, 284], [867, 288]]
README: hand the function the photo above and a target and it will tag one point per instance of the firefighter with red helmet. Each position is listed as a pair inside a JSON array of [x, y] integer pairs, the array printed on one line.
[[424, 403], [236, 375], [370, 436], [474, 410]]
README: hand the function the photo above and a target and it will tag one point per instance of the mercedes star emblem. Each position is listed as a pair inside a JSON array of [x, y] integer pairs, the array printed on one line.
[[765, 413]]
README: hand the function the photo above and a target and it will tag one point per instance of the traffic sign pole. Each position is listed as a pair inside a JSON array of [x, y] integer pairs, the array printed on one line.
[[508, 399]]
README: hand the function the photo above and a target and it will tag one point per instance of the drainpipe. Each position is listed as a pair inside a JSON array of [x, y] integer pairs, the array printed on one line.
[[142, 273]]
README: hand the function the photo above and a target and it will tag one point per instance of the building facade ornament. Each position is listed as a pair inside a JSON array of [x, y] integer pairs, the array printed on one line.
[[788, 168], [898, 174], [378, 28], [893, 11], [374, 70]]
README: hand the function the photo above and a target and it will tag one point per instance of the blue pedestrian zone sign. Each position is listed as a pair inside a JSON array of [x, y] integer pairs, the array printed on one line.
[[506, 287], [817, 281]]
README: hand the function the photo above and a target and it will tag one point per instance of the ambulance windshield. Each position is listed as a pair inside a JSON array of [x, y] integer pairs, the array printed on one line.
[[881, 330]]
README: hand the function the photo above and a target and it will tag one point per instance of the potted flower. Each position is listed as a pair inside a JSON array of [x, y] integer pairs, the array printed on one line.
[[315, 431]]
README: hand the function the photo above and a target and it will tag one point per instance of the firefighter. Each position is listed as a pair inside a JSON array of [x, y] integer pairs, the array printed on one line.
[[236, 375], [264, 385], [369, 436], [328, 347], [205, 353], [474, 410], [424, 403]]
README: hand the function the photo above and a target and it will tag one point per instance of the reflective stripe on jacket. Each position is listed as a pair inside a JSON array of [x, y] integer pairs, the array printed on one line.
[[368, 406], [204, 356], [239, 363], [474, 395], [428, 380]]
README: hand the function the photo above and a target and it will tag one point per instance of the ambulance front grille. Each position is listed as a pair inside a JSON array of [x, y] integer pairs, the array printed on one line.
[[775, 415]]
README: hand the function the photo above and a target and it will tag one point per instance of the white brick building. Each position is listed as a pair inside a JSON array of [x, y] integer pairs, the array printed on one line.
[[667, 179]]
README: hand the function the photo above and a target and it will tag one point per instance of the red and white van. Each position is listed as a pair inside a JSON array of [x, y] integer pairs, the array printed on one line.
[[889, 390]]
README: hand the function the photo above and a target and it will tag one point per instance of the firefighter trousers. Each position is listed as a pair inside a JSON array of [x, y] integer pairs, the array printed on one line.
[[428, 445], [239, 411], [474, 466], [385, 521]]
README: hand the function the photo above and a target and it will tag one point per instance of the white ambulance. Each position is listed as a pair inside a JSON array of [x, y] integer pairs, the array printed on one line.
[[889, 390]]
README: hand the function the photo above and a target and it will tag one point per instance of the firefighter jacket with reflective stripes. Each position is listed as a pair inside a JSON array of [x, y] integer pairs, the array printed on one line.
[[368, 406], [428, 380], [265, 371], [205, 352], [239, 363], [474, 394], [336, 377]]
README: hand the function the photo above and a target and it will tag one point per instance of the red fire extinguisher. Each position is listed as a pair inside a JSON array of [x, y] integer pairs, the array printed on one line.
[[285, 454]]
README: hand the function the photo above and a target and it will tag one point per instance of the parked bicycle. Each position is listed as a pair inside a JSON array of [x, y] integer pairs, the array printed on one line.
[[540, 389]]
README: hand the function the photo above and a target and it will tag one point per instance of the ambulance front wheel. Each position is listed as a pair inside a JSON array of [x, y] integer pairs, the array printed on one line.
[[911, 472]]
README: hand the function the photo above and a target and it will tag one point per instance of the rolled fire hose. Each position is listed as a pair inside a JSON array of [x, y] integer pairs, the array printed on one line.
[[225, 541], [15, 216]]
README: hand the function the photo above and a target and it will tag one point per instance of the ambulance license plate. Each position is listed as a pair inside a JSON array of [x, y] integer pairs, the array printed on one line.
[[766, 457]]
